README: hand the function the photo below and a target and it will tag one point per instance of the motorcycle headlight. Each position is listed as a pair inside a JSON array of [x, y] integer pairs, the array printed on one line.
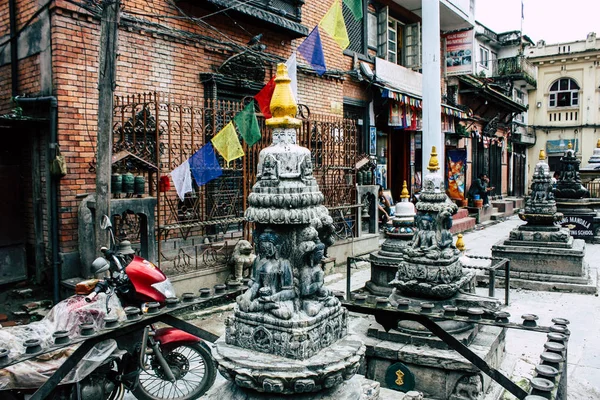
[[165, 287]]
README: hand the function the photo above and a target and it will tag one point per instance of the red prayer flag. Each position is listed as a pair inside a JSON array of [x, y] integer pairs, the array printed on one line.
[[263, 98]]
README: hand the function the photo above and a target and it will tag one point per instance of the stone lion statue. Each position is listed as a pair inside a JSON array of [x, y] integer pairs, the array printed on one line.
[[242, 259]]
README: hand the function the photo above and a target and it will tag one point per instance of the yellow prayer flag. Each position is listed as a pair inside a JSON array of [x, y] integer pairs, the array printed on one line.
[[226, 142], [333, 23]]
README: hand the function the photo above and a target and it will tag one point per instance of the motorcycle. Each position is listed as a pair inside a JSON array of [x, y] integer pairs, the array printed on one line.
[[153, 363]]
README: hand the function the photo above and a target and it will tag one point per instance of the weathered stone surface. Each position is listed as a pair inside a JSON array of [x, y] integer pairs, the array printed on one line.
[[300, 338], [357, 388], [274, 374], [529, 257]]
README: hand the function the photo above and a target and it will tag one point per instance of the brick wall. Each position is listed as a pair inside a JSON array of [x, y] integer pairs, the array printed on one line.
[[155, 54]]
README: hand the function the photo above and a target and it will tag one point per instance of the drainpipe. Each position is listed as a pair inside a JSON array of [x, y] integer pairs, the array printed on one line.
[[14, 70], [54, 181]]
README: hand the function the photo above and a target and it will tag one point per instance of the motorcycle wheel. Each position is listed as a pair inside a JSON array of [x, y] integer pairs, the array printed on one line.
[[194, 371]]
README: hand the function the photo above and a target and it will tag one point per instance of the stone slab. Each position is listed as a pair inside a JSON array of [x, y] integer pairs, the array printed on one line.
[[589, 284], [357, 388], [275, 374], [545, 260], [436, 371]]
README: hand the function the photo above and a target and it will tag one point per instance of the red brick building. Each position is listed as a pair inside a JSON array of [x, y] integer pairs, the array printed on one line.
[[184, 68]]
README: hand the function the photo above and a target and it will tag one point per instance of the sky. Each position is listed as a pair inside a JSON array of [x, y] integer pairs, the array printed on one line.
[[554, 21]]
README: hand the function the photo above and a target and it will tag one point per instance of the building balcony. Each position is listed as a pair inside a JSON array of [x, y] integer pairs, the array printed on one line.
[[523, 135], [515, 68]]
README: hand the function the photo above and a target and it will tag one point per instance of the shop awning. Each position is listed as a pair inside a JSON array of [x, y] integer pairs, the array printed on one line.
[[416, 101]]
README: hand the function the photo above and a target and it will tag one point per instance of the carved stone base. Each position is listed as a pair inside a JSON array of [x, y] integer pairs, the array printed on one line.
[[417, 280], [541, 256], [274, 374], [357, 388], [297, 338]]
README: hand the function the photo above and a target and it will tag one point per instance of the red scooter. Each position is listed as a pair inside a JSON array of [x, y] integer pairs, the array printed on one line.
[[154, 364]]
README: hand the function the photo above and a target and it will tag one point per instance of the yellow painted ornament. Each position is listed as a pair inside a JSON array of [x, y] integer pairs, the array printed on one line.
[[542, 154], [283, 106], [460, 244], [434, 165], [404, 194]]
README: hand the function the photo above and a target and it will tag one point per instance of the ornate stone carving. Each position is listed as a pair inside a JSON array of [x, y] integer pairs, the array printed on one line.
[[540, 207], [242, 260], [569, 182], [430, 266], [287, 316], [468, 387]]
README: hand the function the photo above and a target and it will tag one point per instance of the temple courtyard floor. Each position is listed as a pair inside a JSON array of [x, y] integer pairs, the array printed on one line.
[[522, 348]]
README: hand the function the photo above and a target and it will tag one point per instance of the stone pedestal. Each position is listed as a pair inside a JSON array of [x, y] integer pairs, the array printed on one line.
[[545, 258], [271, 373], [438, 373], [357, 388], [300, 338]]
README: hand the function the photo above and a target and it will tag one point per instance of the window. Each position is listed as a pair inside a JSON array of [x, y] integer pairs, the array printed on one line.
[[484, 56], [394, 40], [564, 93], [372, 30], [398, 42]]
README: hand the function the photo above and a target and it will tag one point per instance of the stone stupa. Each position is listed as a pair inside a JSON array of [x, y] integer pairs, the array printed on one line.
[[398, 237], [288, 333], [542, 254], [429, 273]]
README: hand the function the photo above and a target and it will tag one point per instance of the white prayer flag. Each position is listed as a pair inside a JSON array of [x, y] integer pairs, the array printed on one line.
[[292, 66], [182, 178]]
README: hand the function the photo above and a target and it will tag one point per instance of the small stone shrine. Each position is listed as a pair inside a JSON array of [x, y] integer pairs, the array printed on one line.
[[543, 255], [569, 184], [288, 333], [573, 199], [429, 274], [398, 237]]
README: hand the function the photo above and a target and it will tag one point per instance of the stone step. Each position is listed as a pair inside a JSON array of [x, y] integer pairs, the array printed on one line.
[[518, 202], [504, 206], [462, 224], [498, 216], [462, 213]]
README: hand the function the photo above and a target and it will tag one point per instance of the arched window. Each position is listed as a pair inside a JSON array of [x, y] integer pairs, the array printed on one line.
[[564, 93]]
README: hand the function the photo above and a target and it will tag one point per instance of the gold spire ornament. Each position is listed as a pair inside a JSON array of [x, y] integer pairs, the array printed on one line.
[[460, 244], [283, 106], [434, 165], [542, 154], [598, 144], [404, 194], [570, 145]]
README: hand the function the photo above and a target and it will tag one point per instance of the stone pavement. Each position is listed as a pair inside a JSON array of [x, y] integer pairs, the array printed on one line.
[[522, 348]]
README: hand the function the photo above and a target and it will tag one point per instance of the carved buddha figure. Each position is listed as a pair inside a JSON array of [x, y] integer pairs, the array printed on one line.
[[272, 286], [314, 295]]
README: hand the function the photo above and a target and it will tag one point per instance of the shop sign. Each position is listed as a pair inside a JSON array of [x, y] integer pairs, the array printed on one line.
[[460, 55], [579, 226]]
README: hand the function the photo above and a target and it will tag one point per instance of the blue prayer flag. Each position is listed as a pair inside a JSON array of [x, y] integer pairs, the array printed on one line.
[[312, 51], [204, 165]]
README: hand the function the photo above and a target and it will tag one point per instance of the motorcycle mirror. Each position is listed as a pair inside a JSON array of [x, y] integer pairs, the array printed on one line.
[[105, 223], [99, 266]]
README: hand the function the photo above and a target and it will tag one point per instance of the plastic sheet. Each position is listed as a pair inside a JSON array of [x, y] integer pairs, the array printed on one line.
[[67, 315]]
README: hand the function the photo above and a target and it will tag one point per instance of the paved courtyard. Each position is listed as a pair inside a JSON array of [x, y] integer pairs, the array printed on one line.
[[522, 348]]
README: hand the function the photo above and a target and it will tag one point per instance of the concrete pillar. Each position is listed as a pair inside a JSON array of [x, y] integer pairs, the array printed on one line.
[[432, 119]]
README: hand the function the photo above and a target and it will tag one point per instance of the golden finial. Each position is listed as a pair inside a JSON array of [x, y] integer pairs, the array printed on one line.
[[404, 194], [598, 144], [570, 145], [460, 244], [283, 105], [434, 165], [542, 154]]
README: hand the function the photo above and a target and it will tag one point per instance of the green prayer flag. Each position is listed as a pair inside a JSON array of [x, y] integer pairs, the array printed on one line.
[[247, 124], [356, 7]]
